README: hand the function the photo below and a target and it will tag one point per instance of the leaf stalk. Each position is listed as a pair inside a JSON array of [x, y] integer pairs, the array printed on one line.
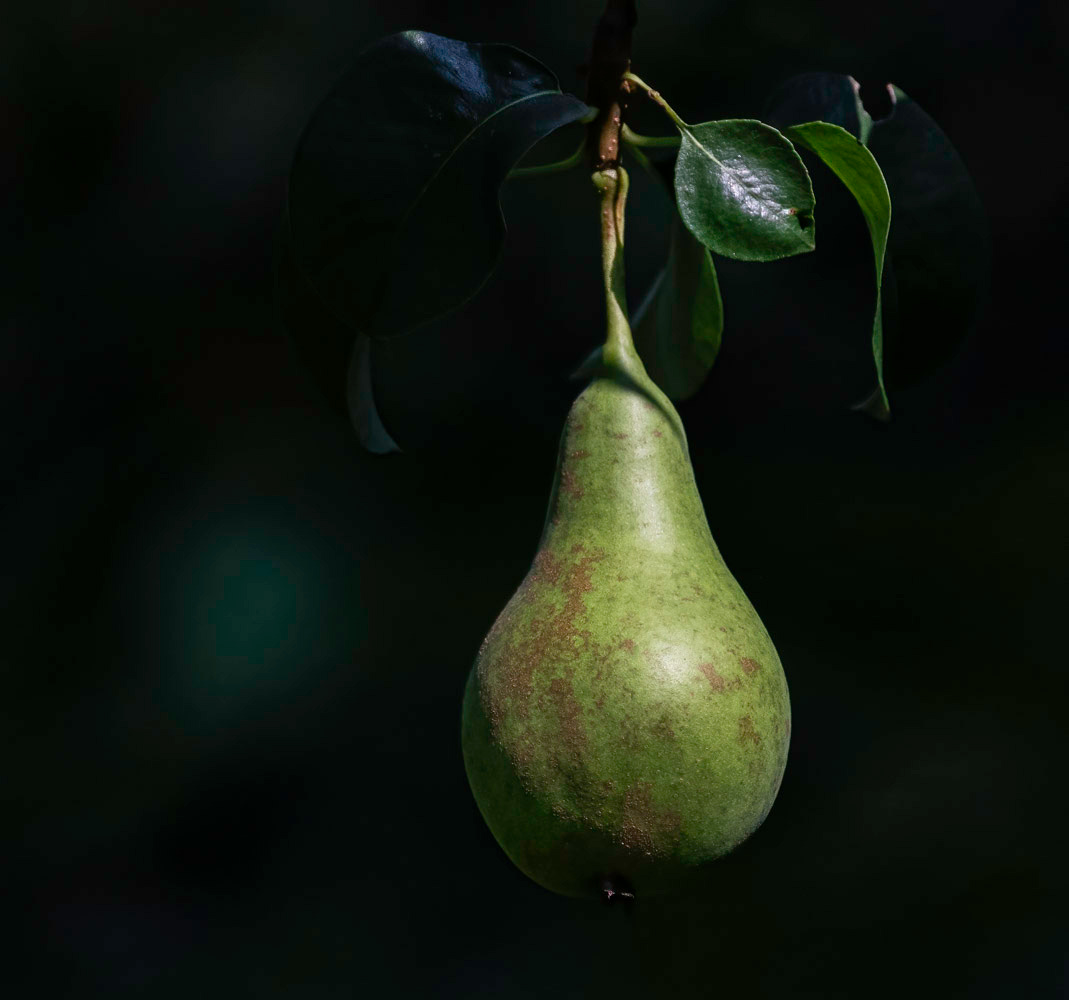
[[556, 167], [655, 96], [654, 141]]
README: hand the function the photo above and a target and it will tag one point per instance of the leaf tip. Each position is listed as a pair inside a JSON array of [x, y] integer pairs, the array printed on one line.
[[377, 446], [363, 412], [875, 406]]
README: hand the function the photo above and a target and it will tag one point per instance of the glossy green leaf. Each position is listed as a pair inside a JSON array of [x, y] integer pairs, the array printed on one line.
[[338, 359], [393, 194], [743, 190], [857, 168], [678, 328], [939, 250]]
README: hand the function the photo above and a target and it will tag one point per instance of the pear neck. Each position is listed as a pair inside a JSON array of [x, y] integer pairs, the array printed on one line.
[[618, 354], [620, 361]]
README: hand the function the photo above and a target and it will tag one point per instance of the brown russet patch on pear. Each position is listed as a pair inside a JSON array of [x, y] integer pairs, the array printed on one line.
[[581, 453], [569, 715], [747, 733], [628, 644], [658, 434], [569, 484], [552, 641], [524, 752], [644, 827], [749, 665], [716, 682], [619, 435], [509, 689], [546, 569]]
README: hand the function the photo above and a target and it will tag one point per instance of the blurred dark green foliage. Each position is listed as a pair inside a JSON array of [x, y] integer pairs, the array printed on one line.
[[236, 643]]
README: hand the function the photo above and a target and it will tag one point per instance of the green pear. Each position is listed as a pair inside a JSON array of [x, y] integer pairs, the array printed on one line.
[[626, 720]]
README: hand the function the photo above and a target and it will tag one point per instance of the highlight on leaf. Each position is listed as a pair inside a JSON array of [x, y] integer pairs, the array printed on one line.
[[743, 190], [741, 187]]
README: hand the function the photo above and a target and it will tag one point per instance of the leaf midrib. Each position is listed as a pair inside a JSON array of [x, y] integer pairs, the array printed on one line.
[[453, 152], [726, 168]]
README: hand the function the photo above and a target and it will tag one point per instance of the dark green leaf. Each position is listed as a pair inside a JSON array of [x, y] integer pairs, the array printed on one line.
[[939, 251], [362, 410], [678, 329], [938, 260], [326, 346], [828, 97], [857, 168], [393, 194], [743, 190]]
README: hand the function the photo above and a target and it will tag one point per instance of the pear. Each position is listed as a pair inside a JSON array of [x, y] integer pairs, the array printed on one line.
[[626, 720]]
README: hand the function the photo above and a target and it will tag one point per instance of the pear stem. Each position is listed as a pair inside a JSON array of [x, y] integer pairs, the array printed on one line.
[[612, 184]]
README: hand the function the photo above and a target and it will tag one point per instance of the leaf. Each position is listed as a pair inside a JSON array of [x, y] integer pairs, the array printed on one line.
[[340, 366], [743, 190], [361, 399], [857, 168], [938, 260], [939, 249], [678, 329], [830, 97], [393, 193]]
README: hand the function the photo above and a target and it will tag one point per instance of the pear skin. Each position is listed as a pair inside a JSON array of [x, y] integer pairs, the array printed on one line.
[[627, 719]]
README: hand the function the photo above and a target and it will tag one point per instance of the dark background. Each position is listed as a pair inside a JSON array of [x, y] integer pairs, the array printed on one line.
[[235, 644]]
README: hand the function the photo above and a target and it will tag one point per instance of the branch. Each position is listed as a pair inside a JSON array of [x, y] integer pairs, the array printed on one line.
[[610, 59]]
